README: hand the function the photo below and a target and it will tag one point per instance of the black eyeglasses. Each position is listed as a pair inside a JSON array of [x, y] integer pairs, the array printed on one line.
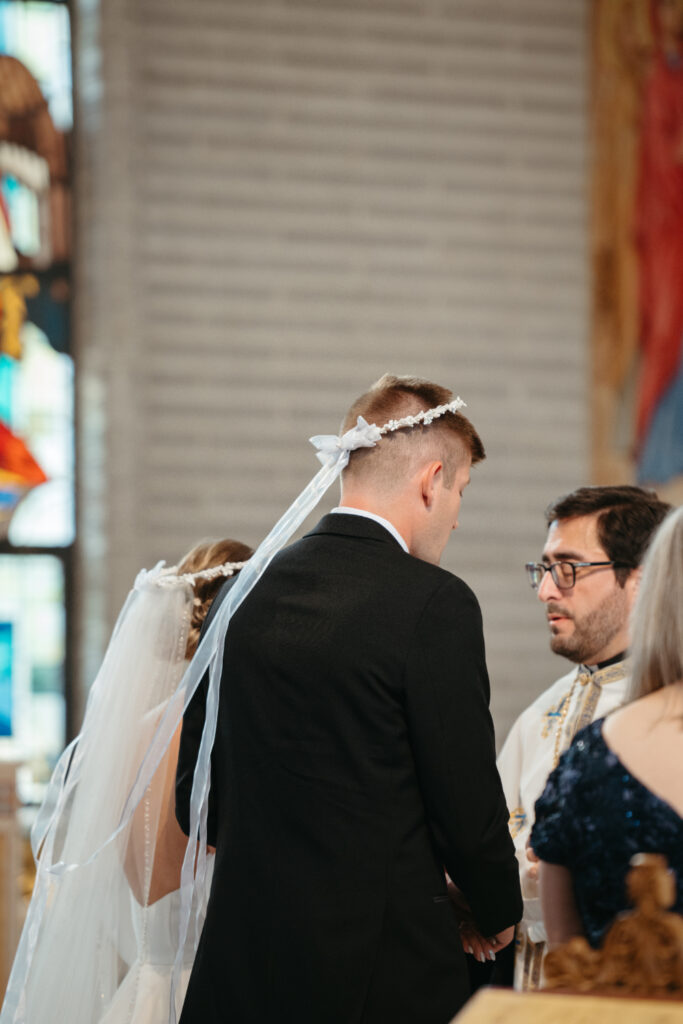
[[563, 573]]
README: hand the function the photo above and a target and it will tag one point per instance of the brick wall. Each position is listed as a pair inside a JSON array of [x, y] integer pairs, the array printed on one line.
[[281, 200]]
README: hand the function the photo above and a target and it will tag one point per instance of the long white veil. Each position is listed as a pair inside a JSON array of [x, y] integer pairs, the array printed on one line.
[[93, 860]]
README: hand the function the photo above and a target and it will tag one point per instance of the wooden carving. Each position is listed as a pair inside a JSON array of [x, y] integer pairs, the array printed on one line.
[[642, 954]]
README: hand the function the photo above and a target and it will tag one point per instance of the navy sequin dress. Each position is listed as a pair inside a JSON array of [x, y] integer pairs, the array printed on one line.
[[592, 817]]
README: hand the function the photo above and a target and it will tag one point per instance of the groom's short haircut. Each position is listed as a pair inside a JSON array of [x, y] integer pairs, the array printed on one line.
[[391, 398]]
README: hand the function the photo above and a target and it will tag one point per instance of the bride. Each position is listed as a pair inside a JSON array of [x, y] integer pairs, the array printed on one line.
[[100, 940]]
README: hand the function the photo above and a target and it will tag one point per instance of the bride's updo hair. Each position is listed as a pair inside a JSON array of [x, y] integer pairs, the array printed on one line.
[[206, 555]]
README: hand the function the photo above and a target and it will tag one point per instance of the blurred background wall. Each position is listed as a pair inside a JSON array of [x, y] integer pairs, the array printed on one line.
[[279, 201]]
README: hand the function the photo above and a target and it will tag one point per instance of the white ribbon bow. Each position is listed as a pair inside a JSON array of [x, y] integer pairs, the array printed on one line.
[[363, 435]]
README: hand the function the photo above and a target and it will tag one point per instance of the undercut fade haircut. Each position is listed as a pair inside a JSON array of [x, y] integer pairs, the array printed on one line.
[[391, 398], [627, 518]]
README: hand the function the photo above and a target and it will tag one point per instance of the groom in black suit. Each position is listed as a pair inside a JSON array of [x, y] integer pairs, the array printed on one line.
[[354, 761]]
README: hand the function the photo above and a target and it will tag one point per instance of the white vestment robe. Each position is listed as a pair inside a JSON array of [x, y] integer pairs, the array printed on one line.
[[531, 750]]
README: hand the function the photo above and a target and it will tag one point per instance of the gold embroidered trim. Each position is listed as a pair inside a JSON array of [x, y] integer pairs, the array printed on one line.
[[517, 821], [552, 714], [603, 677], [593, 682], [533, 953], [563, 715]]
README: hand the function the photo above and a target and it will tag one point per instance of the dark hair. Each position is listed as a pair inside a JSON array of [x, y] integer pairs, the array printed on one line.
[[392, 397], [627, 518]]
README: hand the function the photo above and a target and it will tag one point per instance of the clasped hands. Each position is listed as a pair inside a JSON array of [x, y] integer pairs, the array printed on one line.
[[480, 946]]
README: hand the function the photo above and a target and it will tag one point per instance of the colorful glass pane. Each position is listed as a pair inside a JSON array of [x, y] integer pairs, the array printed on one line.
[[32, 647], [6, 672], [38, 34], [36, 415], [36, 401], [23, 216]]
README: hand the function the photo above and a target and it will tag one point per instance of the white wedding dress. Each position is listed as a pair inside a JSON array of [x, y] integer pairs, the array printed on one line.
[[144, 994]]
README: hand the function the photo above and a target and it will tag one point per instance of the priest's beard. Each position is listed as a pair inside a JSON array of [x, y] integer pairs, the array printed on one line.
[[593, 632]]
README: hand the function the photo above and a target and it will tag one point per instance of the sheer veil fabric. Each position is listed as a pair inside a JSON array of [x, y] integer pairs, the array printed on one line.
[[93, 860]]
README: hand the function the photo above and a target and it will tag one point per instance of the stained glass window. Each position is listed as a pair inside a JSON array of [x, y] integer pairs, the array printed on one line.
[[36, 116], [6, 676], [32, 655], [36, 423], [38, 34], [37, 521]]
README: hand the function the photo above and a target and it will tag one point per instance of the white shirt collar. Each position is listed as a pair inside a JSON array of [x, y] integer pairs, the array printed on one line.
[[344, 510]]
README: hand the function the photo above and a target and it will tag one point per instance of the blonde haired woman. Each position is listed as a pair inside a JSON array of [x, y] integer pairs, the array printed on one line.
[[618, 790]]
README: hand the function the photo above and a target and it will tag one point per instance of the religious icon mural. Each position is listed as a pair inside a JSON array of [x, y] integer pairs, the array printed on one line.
[[637, 242]]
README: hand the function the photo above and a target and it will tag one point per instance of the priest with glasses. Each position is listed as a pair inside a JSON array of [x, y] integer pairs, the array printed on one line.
[[587, 580]]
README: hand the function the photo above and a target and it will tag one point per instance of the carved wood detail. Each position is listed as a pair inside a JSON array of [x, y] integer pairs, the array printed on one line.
[[642, 954]]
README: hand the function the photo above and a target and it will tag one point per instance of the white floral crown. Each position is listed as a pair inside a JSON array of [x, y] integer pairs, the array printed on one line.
[[366, 435], [168, 576]]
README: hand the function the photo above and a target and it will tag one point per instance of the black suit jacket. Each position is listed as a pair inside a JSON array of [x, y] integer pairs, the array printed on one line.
[[354, 761]]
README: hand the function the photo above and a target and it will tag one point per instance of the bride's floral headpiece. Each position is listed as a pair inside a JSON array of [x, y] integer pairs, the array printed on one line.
[[167, 576]]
